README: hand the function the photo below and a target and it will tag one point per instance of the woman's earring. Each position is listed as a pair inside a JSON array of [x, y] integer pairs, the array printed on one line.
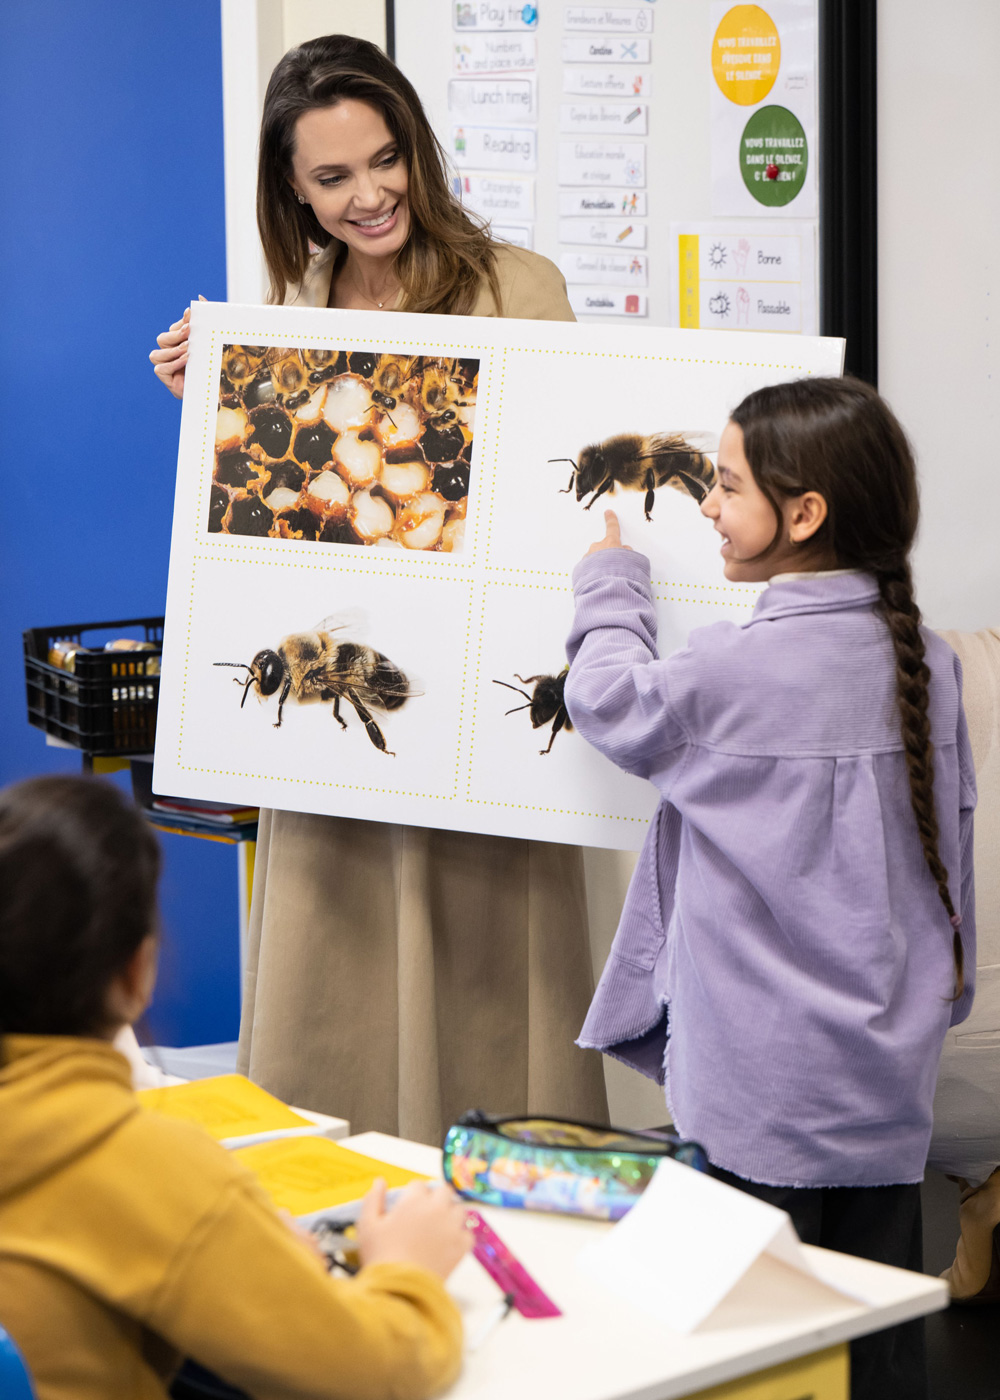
[[301, 198]]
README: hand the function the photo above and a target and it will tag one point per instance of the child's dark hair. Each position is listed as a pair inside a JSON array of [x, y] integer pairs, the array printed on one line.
[[78, 873], [839, 438]]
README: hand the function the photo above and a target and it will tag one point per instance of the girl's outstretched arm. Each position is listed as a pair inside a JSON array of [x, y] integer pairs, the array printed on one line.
[[617, 691]]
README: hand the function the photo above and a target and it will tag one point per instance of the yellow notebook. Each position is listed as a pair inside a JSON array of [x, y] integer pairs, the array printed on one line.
[[304, 1175], [227, 1106]]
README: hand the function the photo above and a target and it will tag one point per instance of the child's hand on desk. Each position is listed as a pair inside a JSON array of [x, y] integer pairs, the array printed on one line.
[[426, 1226], [612, 537], [306, 1237]]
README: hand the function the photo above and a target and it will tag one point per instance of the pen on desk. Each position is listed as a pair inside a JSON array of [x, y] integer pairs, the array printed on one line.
[[493, 1320]]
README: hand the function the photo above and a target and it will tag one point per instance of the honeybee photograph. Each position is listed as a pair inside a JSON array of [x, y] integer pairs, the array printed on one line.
[[638, 434], [526, 755], [343, 447], [331, 683]]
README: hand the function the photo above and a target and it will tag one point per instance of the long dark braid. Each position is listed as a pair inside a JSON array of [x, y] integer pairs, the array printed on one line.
[[838, 437], [902, 616]]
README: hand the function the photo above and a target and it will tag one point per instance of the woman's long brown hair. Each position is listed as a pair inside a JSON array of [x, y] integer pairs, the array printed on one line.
[[447, 257], [839, 438]]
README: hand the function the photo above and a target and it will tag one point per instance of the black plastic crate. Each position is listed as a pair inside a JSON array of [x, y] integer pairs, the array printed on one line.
[[107, 703]]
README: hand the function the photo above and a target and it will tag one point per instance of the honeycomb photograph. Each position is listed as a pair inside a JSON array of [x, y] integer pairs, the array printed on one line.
[[343, 447]]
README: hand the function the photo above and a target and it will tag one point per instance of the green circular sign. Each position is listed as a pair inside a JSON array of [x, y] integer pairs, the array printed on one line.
[[773, 155]]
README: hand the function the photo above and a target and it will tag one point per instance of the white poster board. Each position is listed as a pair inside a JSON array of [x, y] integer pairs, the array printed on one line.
[[265, 556]]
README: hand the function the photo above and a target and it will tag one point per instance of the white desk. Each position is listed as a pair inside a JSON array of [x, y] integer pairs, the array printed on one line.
[[601, 1350]]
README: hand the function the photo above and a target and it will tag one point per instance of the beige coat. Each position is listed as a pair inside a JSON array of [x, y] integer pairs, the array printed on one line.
[[398, 976]]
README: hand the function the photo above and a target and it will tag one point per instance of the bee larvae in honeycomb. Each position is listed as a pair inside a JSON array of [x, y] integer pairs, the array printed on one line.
[[404, 479], [231, 427], [348, 403], [420, 522], [453, 534], [371, 516], [400, 424], [329, 493], [281, 498], [312, 409], [356, 459]]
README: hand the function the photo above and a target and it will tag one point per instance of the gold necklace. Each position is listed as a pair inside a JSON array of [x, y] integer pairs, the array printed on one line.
[[364, 296]]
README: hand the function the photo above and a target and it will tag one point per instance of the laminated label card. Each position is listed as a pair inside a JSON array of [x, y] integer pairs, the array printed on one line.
[[376, 520]]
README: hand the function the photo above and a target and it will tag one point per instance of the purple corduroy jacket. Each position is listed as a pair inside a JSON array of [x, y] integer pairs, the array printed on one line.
[[784, 963]]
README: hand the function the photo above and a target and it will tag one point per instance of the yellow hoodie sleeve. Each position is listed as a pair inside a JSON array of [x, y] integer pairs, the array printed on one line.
[[246, 1299]]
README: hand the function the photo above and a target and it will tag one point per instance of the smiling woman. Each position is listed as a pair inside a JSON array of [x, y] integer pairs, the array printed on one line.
[[395, 976], [349, 164]]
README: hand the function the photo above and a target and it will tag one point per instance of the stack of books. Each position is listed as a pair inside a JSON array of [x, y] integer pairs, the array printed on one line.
[[188, 816]]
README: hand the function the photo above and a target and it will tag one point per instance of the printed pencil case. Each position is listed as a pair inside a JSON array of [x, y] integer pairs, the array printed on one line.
[[554, 1164]]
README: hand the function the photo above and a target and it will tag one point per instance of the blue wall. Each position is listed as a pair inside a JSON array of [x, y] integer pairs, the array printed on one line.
[[112, 221]]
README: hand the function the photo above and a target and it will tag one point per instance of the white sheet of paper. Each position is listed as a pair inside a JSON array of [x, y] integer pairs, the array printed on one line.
[[607, 301], [266, 548], [609, 19], [604, 118], [598, 162], [492, 99], [485, 55], [607, 48], [605, 269], [686, 1243], [494, 14], [604, 233], [494, 147], [607, 82], [588, 204], [505, 197]]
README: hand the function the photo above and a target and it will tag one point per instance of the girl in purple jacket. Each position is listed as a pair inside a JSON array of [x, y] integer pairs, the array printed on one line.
[[798, 934]]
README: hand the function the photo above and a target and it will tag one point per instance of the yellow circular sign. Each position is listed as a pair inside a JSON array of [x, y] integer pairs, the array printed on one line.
[[746, 53]]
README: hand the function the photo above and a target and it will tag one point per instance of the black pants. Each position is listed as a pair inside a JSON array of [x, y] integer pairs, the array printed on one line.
[[882, 1223]]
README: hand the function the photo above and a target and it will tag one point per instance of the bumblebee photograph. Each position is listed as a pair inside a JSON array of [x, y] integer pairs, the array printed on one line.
[[631, 462], [343, 447], [322, 666], [545, 703]]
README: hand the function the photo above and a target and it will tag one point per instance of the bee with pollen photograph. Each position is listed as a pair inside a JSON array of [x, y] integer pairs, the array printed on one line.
[[637, 463], [315, 665], [545, 703]]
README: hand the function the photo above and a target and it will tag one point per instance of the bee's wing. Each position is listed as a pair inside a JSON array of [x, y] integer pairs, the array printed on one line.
[[332, 678], [353, 619], [697, 440], [695, 470]]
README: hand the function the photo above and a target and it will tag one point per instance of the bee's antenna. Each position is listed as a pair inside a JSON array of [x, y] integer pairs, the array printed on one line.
[[518, 691], [246, 689], [575, 471]]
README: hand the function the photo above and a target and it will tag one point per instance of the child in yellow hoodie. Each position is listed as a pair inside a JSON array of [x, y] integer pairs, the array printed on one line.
[[129, 1240]]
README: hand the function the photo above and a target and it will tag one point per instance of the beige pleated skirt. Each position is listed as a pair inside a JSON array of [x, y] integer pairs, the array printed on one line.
[[398, 976]]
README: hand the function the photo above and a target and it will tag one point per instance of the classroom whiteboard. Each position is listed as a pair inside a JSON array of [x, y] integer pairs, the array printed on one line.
[[670, 136]]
